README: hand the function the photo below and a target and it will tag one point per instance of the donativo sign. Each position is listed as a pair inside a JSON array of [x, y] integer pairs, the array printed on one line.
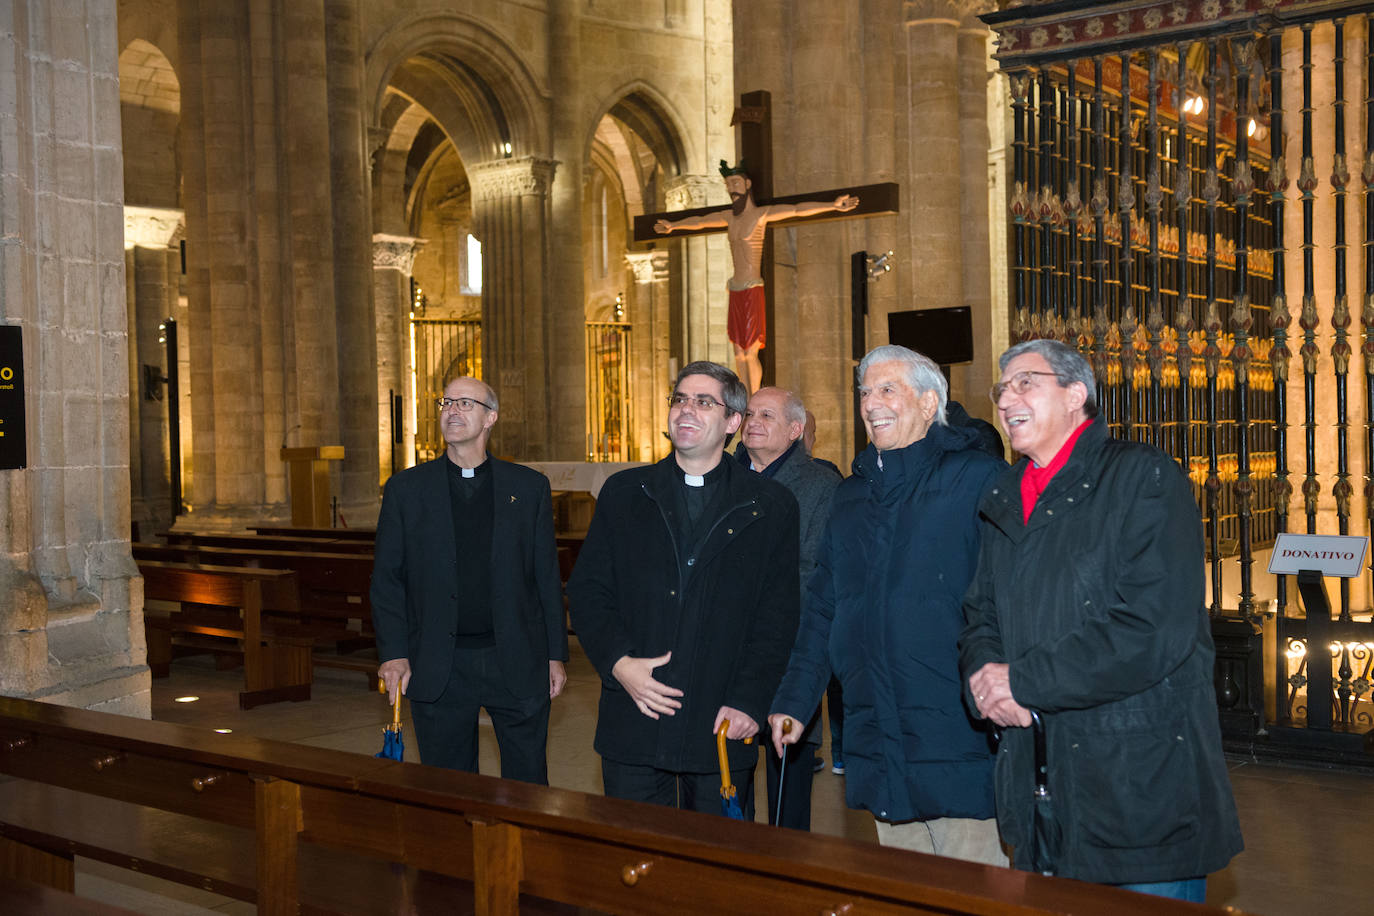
[[1328, 554], [13, 448]]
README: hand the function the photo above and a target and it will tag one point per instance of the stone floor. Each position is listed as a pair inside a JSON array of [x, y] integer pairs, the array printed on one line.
[[1303, 834]]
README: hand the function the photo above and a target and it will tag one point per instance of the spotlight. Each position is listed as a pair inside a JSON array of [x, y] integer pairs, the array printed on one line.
[[877, 266], [186, 699]]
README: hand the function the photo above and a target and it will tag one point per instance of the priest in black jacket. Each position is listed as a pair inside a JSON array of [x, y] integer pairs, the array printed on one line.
[[685, 599], [465, 595]]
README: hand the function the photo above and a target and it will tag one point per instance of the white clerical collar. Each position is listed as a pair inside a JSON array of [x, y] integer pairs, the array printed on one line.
[[692, 480], [469, 473]]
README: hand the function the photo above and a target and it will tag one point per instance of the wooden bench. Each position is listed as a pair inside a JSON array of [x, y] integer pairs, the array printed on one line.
[[25, 898], [223, 603], [335, 610], [339, 534], [260, 542], [518, 846]]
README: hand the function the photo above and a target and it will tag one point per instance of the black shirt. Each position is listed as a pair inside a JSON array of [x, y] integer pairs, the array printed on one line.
[[473, 506]]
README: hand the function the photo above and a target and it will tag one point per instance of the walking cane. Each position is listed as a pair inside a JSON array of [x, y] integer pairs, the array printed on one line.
[[782, 772]]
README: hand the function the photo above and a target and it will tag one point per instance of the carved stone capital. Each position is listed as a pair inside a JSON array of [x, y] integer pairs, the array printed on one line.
[[685, 192], [153, 227], [524, 176], [395, 252], [648, 266]]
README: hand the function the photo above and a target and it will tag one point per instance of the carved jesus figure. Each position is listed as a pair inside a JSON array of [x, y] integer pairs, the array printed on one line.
[[745, 225]]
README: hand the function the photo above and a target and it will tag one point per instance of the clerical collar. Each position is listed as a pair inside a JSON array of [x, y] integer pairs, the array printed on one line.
[[469, 473], [702, 480]]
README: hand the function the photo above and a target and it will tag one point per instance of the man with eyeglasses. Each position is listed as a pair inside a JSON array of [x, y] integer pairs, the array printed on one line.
[[1087, 609], [465, 595], [684, 598], [884, 609]]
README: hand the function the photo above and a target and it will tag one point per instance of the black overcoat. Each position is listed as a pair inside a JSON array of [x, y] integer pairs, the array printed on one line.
[[729, 622], [415, 589], [1097, 605]]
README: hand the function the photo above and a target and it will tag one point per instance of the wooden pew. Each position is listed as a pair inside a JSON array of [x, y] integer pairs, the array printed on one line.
[[259, 542], [227, 603], [519, 846], [24, 898], [338, 534], [334, 608]]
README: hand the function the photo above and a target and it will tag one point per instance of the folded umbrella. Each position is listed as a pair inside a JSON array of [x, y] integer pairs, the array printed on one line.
[[782, 771], [729, 797], [393, 745], [1045, 828]]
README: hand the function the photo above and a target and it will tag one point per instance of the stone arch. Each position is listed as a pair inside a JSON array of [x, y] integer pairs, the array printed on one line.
[[150, 105], [470, 79], [650, 115]]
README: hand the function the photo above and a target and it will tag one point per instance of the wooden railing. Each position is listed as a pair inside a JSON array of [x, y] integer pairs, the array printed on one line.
[[518, 847]]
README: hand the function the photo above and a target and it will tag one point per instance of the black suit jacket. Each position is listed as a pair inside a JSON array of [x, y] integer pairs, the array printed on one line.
[[415, 589]]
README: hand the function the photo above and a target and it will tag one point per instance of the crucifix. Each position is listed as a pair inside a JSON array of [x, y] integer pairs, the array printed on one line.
[[746, 224]]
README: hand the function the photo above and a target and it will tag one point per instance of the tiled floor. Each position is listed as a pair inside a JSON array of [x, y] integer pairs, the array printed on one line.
[[1306, 840]]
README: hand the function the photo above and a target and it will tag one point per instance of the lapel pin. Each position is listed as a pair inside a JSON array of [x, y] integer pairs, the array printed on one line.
[[512, 498]]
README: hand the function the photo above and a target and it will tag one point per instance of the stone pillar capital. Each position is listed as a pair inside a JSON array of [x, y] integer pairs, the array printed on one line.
[[524, 176], [153, 227], [648, 266], [950, 12], [685, 192], [395, 252]]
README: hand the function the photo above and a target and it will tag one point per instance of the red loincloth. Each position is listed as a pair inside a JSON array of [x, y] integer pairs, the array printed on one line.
[[747, 322]]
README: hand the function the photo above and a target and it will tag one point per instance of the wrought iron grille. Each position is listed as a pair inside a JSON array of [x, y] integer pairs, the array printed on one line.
[[441, 349], [608, 391], [1154, 144]]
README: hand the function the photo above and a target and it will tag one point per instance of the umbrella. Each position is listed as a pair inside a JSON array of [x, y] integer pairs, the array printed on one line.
[[1044, 841], [729, 800], [782, 771], [393, 745]]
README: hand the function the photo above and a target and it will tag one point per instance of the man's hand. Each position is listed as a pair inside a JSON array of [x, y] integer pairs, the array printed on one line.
[[395, 673], [846, 202], [991, 688], [741, 725], [780, 738], [558, 676], [663, 227], [636, 676]]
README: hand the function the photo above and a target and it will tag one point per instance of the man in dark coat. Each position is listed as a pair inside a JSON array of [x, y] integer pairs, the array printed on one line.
[[1087, 608], [884, 610], [685, 599], [772, 445], [465, 595]]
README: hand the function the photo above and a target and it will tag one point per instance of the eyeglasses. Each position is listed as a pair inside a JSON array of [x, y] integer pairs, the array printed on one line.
[[701, 401], [463, 404], [1018, 384]]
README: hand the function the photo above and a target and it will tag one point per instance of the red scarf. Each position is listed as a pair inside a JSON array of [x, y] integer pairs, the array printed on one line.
[[1034, 480]]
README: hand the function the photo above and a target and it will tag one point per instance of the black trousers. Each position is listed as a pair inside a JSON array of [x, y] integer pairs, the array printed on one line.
[[446, 729], [796, 788], [688, 791]]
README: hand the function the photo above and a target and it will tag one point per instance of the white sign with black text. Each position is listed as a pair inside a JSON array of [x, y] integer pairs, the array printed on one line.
[[1328, 554]]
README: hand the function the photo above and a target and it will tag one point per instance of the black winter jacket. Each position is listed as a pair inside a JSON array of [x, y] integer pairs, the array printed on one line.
[[729, 623], [1097, 605], [884, 610]]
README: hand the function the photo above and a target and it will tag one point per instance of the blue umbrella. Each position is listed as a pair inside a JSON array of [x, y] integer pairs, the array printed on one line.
[[393, 745], [729, 797]]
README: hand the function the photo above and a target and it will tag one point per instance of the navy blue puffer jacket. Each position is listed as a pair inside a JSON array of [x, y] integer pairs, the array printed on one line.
[[884, 610]]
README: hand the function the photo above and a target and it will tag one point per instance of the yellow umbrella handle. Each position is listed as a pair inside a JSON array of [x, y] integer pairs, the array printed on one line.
[[396, 709], [725, 787]]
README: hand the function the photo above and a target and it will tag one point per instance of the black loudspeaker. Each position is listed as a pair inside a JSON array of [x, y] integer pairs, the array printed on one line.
[[944, 335]]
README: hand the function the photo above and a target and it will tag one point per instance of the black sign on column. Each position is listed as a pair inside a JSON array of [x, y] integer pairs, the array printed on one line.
[[13, 450]]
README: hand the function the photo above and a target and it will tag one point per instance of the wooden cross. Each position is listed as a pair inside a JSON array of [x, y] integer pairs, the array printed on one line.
[[754, 115]]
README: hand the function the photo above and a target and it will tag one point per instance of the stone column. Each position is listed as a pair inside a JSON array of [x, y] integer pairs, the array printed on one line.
[[649, 352], [349, 196], [71, 621], [705, 269], [393, 257], [511, 216], [148, 233], [932, 49], [968, 383], [566, 317]]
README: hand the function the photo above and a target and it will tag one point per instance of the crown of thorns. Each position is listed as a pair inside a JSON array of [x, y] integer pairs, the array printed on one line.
[[726, 170]]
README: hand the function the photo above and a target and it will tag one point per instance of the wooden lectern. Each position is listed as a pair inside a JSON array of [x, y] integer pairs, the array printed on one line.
[[307, 471]]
